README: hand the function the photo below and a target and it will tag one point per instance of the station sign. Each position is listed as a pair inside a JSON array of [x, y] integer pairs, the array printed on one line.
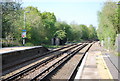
[[24, 30], [23, 33]]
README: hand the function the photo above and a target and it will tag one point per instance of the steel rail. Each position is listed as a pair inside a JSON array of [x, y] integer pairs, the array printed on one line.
[[72, 75], [56, 65], [37, 56], [21, 73]]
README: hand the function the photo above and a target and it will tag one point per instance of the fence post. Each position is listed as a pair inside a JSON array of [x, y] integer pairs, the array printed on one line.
[[117, 43]]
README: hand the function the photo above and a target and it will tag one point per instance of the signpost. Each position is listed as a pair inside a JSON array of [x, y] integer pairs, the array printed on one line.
[[24, 31]]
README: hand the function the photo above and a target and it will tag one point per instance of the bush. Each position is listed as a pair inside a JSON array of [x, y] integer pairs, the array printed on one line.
[[29, 44]]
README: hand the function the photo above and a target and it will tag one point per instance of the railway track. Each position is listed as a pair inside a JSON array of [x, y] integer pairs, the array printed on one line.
[[68, 71], [46, 72], [8, 69], [74, 72], [23, 73]]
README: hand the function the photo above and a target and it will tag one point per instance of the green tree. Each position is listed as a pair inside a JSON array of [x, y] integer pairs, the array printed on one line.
[[92, 32], [108, 23], [40, 26], [64, 27], [10, 13], [76, 32], [48, 21], [60, 34], [85, 32]]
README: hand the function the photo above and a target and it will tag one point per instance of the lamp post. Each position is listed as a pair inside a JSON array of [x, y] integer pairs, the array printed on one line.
[[24, 31]]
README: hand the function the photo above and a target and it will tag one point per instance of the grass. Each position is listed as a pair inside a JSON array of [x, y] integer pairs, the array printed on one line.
[[30, 44], [117, 54], [52, 46]]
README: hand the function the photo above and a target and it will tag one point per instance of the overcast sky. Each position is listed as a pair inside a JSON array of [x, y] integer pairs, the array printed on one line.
[[78, 11]]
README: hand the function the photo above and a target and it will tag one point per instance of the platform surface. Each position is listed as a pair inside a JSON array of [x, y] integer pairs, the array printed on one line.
[[11, 49], [95, 66]]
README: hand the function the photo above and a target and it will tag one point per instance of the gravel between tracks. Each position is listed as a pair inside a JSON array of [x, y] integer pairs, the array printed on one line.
[[31, 63], [37, 71], [66, 70]]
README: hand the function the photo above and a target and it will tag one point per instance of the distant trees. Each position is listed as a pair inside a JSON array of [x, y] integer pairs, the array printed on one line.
[[48, 21], [82, 32], [60, 34], [10, 13], [109, 24], [92, 32], [41, 26], [62, 30]]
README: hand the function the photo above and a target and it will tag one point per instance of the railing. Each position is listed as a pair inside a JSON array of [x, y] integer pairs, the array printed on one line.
[[8, 41]]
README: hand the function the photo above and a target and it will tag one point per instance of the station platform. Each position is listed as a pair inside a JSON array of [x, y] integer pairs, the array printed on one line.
[[11, 49], [14, 56], [96, 68]]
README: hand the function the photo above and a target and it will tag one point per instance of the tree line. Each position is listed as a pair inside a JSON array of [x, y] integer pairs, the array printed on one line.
[[41, 26], [109, 23]]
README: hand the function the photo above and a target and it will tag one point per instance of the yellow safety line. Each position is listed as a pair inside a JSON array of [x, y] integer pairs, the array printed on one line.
[[102, 67]]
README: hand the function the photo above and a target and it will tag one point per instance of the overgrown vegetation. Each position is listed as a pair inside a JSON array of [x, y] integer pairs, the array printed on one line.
[[41, 26], [109, 23]]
